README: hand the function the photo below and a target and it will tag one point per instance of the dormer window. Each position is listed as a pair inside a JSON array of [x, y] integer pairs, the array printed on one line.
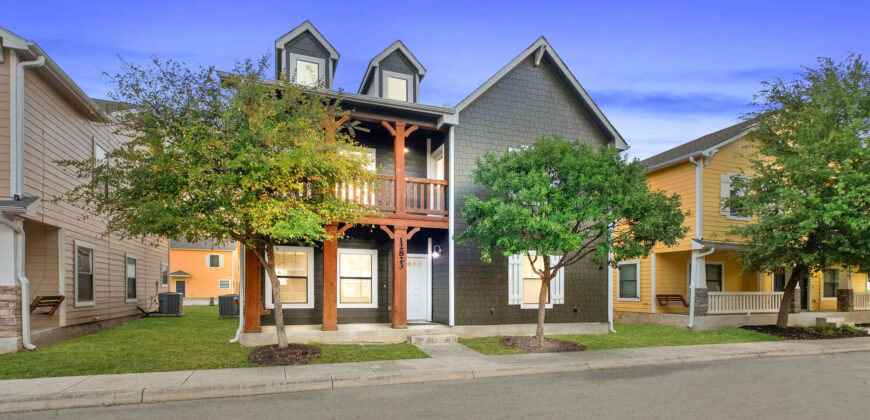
[[397, 87], [307, 73]]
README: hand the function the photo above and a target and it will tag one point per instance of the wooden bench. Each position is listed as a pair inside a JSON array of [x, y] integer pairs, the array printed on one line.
[[665, 300], [51, 302]]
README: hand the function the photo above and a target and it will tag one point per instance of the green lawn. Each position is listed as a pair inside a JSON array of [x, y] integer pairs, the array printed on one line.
[[199, 340], [633, 335]]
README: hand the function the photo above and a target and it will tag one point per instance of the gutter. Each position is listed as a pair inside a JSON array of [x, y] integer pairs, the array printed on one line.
[[16, 122], [25, 284], [241, 295], [695, 271]]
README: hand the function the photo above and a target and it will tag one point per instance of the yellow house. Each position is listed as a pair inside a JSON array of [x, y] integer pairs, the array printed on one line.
[[702, 275], [203, 270]]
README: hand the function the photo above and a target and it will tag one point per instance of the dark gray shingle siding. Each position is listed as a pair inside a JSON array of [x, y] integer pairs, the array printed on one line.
[[527, 103]]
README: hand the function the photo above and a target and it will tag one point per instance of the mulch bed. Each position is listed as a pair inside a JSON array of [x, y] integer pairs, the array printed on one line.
[[294, 354], [806, 333], [531, 345]]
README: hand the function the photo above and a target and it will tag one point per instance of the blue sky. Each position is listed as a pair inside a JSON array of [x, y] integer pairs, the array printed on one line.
[[664, 72]]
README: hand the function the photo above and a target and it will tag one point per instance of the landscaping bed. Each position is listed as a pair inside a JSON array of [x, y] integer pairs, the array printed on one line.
[[198, 340], [532, 345], [630, 336], [807, 333]]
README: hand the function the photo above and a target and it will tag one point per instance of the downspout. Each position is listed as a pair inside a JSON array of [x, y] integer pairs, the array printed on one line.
[[451, 228], [695, 272], [241, 295], [17, 129], [610, 289], [25, 284]]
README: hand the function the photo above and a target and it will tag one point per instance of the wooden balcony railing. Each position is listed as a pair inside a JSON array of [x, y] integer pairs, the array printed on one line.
[[862, 301], [422, 196]]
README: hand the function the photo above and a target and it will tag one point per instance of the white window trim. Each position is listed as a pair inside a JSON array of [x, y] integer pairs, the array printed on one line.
[[208, 260], [635, 263], [822, 288], [270, 304], [229, 284], [127, 275], [408, 78], [291, 69], [164, 267], [76, 244], [374, 254], [550, 290], [725, 192]]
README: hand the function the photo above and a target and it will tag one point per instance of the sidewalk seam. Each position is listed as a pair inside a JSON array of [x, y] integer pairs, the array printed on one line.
[[188, 377], [85, 379]]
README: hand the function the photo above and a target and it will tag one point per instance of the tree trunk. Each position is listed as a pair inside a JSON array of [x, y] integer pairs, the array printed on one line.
[[788, 296], [542, 310], [268, 261]]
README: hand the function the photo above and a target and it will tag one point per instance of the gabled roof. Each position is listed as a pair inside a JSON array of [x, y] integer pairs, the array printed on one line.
[[542, 49], [307, 26], [29, 50], [396, 46], [699, 145], [179, 273]]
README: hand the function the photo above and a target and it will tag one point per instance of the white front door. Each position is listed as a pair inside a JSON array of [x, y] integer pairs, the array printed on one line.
[[418, 287]]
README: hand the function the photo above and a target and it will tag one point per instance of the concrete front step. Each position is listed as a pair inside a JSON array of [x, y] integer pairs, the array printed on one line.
[[832, 321], [433, 339]]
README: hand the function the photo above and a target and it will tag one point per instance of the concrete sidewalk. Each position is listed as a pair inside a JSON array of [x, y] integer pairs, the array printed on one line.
[[449, 362]]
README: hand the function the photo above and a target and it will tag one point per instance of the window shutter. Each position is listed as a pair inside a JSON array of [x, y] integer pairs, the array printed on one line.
[[557, 284], [725, 193], [515, 279]]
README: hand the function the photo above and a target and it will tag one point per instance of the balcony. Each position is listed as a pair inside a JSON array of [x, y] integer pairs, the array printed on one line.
[[417, 197]]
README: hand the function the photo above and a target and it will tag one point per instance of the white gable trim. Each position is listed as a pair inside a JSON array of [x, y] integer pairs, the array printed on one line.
[[307, 26], [375, 63], [542, 48]]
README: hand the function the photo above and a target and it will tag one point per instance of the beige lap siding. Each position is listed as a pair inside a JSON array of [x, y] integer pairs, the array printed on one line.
[[54, 130], [4, 124]]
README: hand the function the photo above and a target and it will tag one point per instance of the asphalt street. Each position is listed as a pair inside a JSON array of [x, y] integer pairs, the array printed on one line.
[[810, 387]]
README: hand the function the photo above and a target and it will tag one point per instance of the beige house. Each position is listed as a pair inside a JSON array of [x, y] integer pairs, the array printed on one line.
[[46, 250]]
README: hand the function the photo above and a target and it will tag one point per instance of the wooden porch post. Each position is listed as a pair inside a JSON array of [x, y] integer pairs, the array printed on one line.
[[252, 293], [400, 273], [330, 280]]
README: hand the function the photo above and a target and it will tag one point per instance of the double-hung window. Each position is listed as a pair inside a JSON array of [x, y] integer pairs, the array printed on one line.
[[357, 278], [164, 274], [731, 187], [130, 274], [84, 274], [295, 269], [524, 284], [832, 281], [628, 274], [214, 260], [779, 279], [714, 277]]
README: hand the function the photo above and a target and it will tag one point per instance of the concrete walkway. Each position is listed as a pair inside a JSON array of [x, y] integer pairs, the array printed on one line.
[[449, 362]]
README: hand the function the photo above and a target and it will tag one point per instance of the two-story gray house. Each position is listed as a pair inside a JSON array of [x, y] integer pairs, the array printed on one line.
[[407, 270]]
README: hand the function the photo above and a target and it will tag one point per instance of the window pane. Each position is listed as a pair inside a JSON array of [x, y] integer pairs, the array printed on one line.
[[527, 267], [214, 261], [397, 88], [356, 290], [294, 289], [85, 288], [714, 278], [831, 283], [131, 288], [356, 265], [84, 260], [628, 281], [131, 267], [291, 263], [532, 291], [307, 73]]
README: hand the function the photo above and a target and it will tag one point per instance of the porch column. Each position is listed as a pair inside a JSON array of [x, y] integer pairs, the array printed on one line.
[[330, 280], [252, 293], [699, 280], [845, 294], [400, 278]]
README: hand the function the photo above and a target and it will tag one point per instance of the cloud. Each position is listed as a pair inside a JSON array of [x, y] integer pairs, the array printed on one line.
[[668, 102]]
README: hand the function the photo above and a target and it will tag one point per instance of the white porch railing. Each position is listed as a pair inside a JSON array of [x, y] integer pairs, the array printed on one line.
[[862, 301], [744, 302]]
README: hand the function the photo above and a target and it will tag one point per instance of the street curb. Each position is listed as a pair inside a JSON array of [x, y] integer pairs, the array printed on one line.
[[66, 400]]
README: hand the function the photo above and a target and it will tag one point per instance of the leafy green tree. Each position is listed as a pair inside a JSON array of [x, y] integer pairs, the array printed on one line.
[[232, 158], [810, 181], [565, 198]]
